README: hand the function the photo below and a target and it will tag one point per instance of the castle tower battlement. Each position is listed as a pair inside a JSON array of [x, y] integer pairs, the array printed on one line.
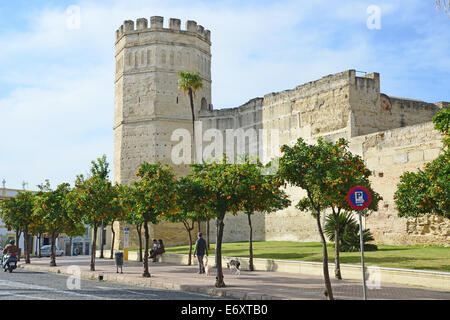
[[148, 104], [157, 24]]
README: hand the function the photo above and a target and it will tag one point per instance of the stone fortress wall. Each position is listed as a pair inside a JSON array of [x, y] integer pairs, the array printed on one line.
[[392, 134], [388, 154]]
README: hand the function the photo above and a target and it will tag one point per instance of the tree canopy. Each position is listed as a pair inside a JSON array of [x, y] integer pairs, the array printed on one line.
[[428, 189]]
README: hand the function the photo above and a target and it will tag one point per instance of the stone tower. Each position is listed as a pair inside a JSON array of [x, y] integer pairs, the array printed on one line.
[[148, 106]]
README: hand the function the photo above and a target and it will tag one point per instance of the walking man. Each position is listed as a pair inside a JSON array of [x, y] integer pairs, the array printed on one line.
[[200, 251]]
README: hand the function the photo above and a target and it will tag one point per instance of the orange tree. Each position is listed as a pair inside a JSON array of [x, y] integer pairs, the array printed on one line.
[[49, 209], [119, 214], [259, 193], [428, 190], [17, 214], [92, 201], [344, 171], [127, 201], [38, 229], [221, 181], [8, 209], [100, 169], [307, 166], [153, 196], [190, 206]]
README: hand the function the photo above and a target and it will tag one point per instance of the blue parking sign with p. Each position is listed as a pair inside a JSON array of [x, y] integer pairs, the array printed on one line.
[[359, 198]]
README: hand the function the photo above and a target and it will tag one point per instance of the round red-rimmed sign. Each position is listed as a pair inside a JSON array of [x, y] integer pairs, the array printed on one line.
[[359, 198]]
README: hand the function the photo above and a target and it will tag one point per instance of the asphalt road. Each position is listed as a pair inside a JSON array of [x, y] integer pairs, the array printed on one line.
[[29, 285]]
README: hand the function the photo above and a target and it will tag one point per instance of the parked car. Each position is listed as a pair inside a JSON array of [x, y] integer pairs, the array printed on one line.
[[45, 251]]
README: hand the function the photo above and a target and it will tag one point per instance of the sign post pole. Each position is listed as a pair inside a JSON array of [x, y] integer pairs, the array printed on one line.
[[125, 243], [361, 244], [360, 198]]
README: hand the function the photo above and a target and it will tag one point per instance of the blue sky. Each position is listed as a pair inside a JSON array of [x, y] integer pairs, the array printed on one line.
[[56, 82]]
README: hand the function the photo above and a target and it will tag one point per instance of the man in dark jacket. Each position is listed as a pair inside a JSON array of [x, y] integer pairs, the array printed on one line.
[[200, 251]]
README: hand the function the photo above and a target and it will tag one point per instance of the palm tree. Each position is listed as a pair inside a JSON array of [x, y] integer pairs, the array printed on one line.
[[190, 82], [444, 5]]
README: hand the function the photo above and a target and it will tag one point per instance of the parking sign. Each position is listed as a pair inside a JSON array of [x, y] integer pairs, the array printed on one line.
[[359, 198]]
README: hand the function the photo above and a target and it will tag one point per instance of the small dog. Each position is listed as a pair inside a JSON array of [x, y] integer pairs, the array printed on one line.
[[234, 265], [207, 268]]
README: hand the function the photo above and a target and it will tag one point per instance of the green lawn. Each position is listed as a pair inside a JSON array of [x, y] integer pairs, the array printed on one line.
[[411, 257]]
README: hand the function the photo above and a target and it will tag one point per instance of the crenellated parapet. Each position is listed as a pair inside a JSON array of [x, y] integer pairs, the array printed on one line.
[[157, 24]]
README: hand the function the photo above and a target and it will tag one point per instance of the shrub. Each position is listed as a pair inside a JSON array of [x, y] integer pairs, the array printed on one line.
[[348, 233]]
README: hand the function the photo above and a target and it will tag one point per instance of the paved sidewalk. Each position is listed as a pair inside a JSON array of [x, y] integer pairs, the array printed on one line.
[[248, 285]]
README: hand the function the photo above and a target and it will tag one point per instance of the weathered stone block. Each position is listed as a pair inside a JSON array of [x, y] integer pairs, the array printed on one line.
[[401, 158], [415, 156], [431, 154], [386, 160]]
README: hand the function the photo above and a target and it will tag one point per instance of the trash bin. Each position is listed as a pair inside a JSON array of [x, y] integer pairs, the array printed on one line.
[[119, 261]]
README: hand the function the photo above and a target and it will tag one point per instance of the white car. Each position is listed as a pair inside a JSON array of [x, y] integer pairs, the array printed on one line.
[[45, 251]]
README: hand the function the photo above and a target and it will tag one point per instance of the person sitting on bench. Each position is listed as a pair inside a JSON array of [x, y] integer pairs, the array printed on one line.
[[155, 246], [159, 250]]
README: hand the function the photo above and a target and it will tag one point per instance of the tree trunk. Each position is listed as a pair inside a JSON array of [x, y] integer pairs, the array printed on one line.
[[70, 246], [94, 248], [198, 224], [27, 249], [189, 229], [191, 100], [26, 254], [52, 250], [139, 232], [146, 273], [18, 234], [101, 240], [329, 291], [40, 246], [251, 267], [112, 240], [207, 235], [337, 263], [219, 279], [216, 256]]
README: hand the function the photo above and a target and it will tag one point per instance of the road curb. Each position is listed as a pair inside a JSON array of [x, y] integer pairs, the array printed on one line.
[[157, 284]]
